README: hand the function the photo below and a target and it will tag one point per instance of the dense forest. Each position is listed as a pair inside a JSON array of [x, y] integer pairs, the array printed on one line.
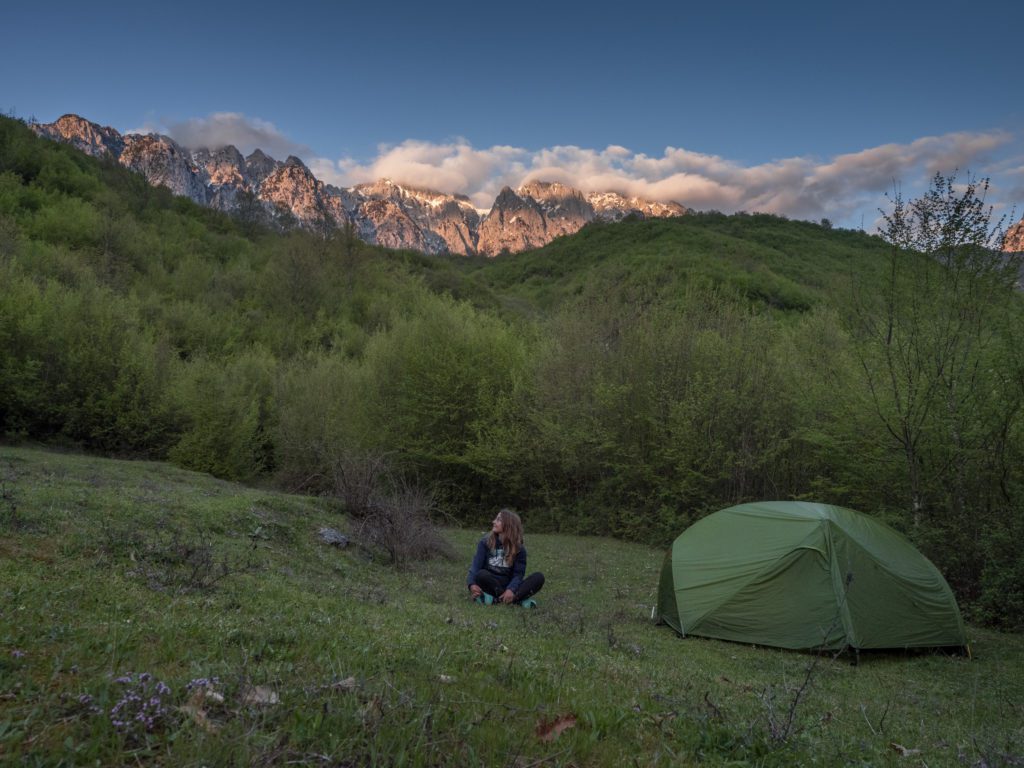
[[623, 381]]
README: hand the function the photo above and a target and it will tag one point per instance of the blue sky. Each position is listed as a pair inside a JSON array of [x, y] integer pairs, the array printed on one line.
[[807, 109]]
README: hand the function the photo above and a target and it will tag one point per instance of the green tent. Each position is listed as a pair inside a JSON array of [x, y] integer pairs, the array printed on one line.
[[798, 575]]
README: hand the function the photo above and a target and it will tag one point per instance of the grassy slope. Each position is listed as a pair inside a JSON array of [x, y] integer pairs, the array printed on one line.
[[90, 589], [784, 264]]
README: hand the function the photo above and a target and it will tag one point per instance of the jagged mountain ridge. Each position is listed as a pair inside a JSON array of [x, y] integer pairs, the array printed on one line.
[[383, 213]]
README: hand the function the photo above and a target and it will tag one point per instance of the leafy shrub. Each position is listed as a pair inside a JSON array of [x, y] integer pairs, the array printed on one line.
[[228, 412], [68, 221], [433, 384], [76, 367], [643, 417], [321, 432], [1000, 601]]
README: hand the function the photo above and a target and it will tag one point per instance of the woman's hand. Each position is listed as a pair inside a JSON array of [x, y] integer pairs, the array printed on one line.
[[507, 596], [475, 591]]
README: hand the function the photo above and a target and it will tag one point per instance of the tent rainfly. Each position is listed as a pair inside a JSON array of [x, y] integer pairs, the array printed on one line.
[[800, 575]]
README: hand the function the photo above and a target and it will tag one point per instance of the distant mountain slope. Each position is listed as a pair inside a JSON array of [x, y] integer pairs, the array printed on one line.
[[383, 213]]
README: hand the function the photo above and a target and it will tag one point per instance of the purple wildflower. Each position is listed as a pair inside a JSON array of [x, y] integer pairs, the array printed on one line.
[[202, 682], [141, 706], [89, 704]]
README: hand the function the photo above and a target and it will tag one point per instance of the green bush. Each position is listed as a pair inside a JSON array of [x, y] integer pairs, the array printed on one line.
[[651, 416], [321, 419], [1000, 600], [77, 367], [433, 384], [68, 221], [228, 412]]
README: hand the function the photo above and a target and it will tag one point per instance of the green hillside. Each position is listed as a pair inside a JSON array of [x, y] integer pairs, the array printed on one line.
[[788, 265], [249, 642], [624, 381]]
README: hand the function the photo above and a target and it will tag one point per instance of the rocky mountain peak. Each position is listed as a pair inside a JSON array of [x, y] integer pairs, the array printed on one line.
[[164, 163], [388, 188], [559, 202], [294, 169], [435, 221], [539, 211], [515, 223], [547, 190], [381, 189], [510, 200], [222, 166], [226, 154], [613, 206], [259, 166], [91, 138], [291, 188]]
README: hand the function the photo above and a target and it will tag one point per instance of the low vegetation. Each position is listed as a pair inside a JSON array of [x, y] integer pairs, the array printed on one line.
[[116, 649]]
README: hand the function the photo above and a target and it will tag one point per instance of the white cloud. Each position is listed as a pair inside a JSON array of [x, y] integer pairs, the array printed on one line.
[[222, 128], [800, 187], [148, 126], [1014, 181], [454, 167]]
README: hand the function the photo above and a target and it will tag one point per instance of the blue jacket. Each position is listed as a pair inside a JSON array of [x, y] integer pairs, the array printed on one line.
[[487, 558]]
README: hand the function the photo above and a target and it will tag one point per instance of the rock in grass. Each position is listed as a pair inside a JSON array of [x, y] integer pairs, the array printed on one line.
[[259, 695], [333, 538]]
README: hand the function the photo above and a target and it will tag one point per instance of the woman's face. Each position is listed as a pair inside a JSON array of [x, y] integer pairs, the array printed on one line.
[[496, 526]]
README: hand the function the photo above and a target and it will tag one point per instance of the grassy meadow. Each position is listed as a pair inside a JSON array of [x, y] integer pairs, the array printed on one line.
[[154, 616]]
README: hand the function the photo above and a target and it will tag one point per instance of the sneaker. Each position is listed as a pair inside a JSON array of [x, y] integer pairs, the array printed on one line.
[[529, 603], [484, 599]]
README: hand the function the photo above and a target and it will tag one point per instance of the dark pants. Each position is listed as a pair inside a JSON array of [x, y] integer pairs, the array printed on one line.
[[494, 586]]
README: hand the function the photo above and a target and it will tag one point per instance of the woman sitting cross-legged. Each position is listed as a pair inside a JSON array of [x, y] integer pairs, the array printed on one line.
[[499, 565]]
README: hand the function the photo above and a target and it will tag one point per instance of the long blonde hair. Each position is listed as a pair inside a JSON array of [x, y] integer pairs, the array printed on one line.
[[511, 535]]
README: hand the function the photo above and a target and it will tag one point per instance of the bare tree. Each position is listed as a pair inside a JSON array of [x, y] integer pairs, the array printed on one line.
[[926, 339]]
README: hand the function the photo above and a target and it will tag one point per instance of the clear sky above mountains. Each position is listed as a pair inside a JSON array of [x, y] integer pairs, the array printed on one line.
[[807, 109]]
